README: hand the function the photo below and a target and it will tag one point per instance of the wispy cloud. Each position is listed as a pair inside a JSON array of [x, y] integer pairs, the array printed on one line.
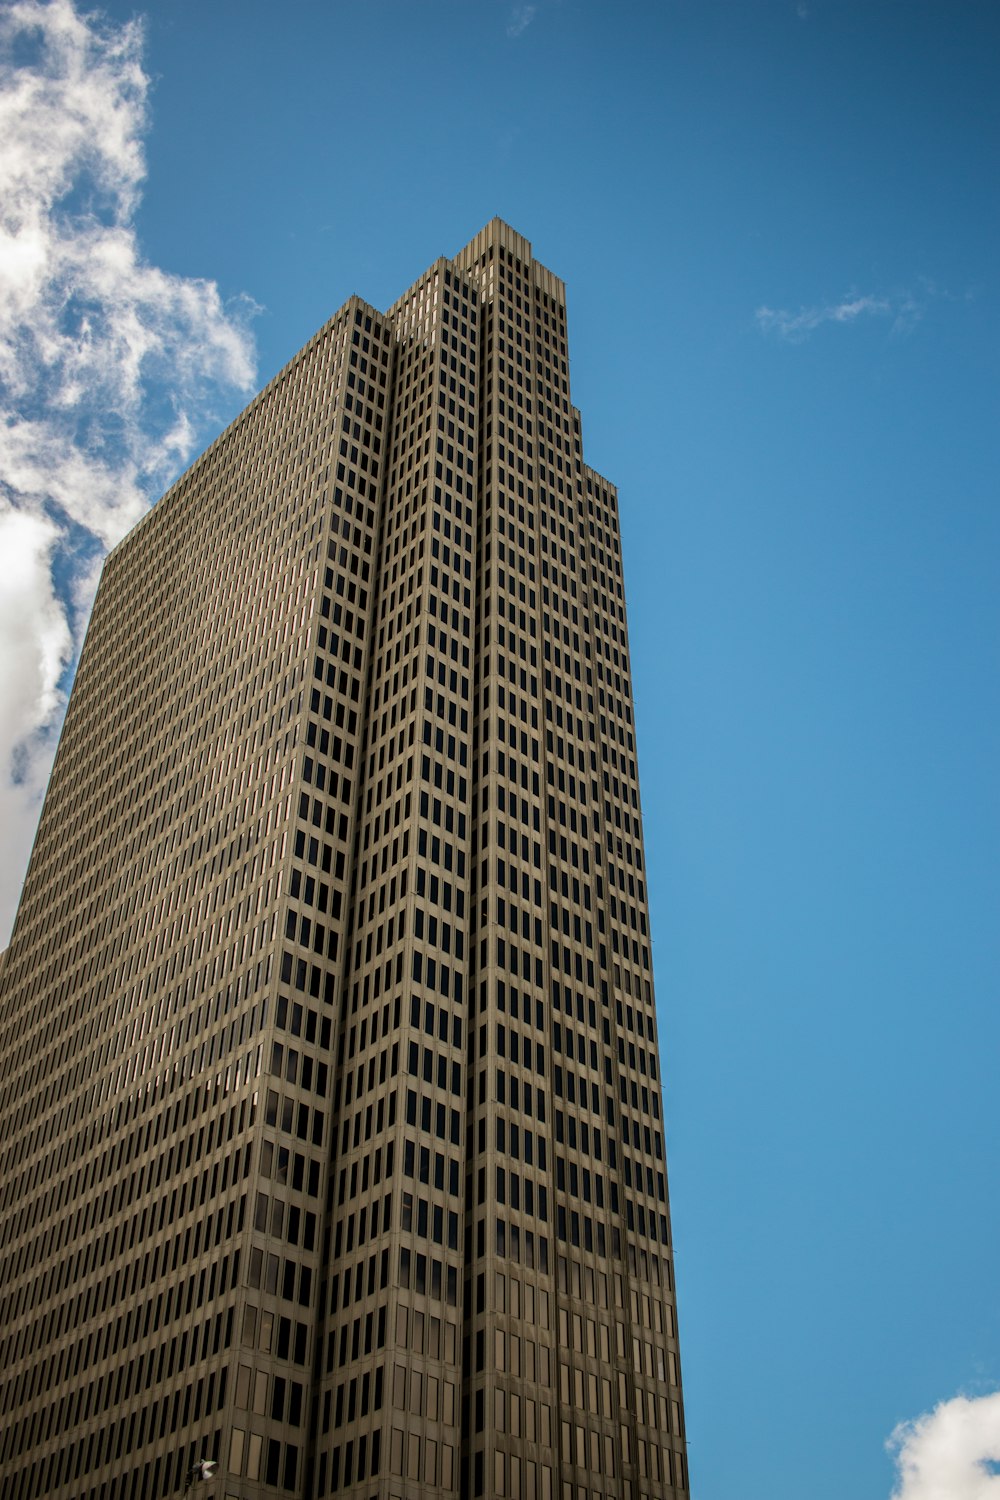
[[799, 324], [521, 18], [950, 1453], [902, 307], [106, 365]]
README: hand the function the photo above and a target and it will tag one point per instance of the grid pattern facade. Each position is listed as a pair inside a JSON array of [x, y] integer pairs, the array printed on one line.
[[330, 1128]]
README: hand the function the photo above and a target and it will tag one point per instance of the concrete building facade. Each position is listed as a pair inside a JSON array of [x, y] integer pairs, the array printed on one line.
[[331, 1144]]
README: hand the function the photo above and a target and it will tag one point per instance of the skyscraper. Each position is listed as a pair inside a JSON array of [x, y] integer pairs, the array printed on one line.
[[331, 1140]]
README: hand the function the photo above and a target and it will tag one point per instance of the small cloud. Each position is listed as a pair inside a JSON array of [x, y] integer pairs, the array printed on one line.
[[904, 309], [952, 1451], [802, 11], [521, 18]]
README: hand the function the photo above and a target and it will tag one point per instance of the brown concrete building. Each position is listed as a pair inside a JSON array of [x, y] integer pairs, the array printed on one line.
[[330, 1129]]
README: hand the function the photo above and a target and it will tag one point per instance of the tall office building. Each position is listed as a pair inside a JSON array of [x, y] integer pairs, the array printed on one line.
[[331, 1144]]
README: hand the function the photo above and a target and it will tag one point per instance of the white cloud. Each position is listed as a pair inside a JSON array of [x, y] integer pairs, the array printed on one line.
[[950, 1453], [798, 325], [106, 365], [521, 18], [904, 307]]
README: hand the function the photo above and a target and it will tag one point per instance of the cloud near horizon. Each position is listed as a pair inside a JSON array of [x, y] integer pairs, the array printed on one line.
[[950, 1453], [107, 364]]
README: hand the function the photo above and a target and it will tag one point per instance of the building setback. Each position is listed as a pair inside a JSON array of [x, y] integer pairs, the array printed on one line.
[[331, 1143]]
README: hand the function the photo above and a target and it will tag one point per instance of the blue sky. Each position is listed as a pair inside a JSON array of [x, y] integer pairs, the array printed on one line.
[[778, 225]]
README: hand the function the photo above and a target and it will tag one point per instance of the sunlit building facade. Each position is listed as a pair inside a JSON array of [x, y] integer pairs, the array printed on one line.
[[331, 1140]]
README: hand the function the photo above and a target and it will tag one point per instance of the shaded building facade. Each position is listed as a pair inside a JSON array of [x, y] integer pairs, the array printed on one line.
[[330, 1127]]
